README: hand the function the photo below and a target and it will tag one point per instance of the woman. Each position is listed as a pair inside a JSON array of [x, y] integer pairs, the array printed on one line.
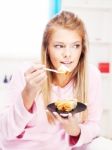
[[25, 123]]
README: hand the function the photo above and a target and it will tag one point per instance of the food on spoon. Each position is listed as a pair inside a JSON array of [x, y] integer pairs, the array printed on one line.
[[65, 105], [63, 69]]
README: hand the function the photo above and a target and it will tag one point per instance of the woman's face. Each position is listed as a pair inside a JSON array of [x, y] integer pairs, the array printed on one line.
[[65, 48]]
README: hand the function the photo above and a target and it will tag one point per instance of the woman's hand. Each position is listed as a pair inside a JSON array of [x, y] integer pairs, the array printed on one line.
[[70, 124], [35, 78]]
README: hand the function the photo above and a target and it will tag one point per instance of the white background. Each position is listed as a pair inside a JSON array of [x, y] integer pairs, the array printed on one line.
[[21, 27], [97, 16]]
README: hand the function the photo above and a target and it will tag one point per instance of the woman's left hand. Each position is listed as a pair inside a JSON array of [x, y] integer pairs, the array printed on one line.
[[70, 124]]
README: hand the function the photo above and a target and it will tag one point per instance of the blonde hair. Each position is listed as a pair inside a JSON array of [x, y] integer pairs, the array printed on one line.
[[66, 20]]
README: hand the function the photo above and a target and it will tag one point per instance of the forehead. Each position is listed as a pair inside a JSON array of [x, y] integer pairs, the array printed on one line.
[[65, 35]]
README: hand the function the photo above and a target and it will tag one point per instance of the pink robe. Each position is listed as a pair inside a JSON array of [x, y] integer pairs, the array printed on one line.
[[23, 130]]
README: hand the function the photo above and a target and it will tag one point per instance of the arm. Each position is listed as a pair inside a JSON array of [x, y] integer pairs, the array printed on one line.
[[75, 133], [15, 114], [91, 128]]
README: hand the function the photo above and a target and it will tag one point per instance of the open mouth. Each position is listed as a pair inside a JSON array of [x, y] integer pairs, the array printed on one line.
[[66, 62]]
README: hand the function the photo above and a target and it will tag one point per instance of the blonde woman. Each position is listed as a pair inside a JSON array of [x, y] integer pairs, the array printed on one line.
[[26, 123]]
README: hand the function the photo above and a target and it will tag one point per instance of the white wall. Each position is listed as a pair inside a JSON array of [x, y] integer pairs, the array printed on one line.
[[21, 27], [97, 15]]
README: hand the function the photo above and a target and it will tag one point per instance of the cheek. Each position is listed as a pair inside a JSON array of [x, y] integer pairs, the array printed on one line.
[[76, 58], [54, 58], [76, 55]]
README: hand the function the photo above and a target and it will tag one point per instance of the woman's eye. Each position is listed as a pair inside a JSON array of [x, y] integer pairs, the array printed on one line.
[[76, 46], [58, 46]]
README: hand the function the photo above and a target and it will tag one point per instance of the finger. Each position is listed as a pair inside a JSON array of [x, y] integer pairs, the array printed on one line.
[[58, 117], [41, 81], [35, 74], [70, 116], [52, 119], [41, 77], [38, 82], [38, 66], [34, 67]]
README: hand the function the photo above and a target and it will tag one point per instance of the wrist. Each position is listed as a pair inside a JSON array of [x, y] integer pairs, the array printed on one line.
[[28, 99], [76, 132]]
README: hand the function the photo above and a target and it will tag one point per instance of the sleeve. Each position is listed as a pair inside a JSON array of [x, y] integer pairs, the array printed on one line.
[[73, 139], [13, 115], [91, 128]]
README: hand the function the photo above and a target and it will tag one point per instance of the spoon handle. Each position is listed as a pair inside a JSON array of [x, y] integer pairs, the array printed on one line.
[[52, 70]]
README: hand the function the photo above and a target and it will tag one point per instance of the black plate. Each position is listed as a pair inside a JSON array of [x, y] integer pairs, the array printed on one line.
[[79, 108]]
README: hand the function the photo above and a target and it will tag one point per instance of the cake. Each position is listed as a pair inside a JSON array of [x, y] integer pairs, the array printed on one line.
[[63, 69], [65, 105]]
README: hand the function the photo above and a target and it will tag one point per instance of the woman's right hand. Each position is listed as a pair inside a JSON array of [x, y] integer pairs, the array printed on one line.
[[35, 78]]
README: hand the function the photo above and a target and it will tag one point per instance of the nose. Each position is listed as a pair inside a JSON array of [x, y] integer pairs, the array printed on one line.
[[67, 52]]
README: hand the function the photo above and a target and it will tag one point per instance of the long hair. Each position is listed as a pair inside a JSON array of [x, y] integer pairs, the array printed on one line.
[[70, 21]]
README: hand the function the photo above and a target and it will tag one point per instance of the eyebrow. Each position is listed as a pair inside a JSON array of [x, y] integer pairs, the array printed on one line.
[[71, 43], [77, 42]]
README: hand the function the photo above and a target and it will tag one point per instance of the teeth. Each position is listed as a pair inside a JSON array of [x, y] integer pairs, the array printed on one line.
[[66, 62]]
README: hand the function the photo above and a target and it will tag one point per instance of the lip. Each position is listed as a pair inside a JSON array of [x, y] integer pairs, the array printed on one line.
[[66, 62]]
